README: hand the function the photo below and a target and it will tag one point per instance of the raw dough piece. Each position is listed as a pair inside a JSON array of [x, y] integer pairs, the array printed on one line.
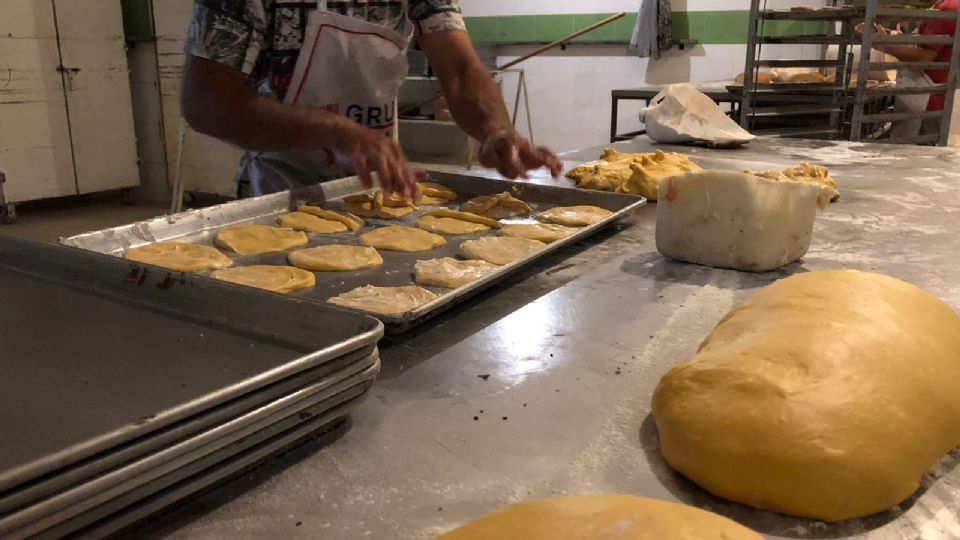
[[449, 226], [257, 239], [682, 114], [826, 395], [179, 256], [500, 206], [451, 273], [807, 78], [806, 172], [736, 220], [636, 174], [335, 258], [282, 279], [435, 193], [761, 77], [465, 216], [500, 250], [601, 517], [400, 238], [385, 300], [574, 216], [377, 206], [302, 221], [544, 232], [352, 222]]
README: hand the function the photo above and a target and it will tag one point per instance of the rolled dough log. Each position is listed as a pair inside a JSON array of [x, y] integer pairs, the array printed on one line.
[[601, 517], [180, 256], [826, 395], [737, 220]]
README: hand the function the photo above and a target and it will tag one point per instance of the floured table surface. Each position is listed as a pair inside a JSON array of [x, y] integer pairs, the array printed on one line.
[[544, 387]]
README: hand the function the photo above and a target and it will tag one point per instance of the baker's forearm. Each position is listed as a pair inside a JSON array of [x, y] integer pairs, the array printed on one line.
[[907, 53], [473, 96], [216, 102]]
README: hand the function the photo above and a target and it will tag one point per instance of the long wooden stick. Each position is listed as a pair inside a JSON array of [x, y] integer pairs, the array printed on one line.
[[531, 54], [564, 40]]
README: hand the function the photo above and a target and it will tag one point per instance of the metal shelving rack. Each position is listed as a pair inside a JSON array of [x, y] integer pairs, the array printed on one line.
[[851, 107], [814, 110], [875, 11]]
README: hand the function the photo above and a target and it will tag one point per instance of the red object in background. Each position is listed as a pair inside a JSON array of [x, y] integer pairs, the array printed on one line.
[[940, 27]]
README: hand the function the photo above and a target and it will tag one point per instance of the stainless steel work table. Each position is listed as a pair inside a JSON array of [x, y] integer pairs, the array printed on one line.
[[542, 386]]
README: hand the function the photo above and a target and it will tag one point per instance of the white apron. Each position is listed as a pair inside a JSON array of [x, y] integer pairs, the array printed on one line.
[[347, 66], [910, 77]]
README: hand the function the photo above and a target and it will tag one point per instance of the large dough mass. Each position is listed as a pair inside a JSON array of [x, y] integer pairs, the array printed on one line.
[[500, 250], [601, 517], [257, 239], [737, 220], [400, 238], [826, 395], [385, 300], [282, 279], [636, 174], [451, 273], [335, 258], [179, 256]]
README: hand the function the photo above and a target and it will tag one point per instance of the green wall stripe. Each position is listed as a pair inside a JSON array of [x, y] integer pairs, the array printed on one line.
[[708, 27], [137, 19]]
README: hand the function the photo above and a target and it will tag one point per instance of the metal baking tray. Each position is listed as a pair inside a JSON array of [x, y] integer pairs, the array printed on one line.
[[200, 226], [99, 351], [49, 485], [87, 497], [215, 468]]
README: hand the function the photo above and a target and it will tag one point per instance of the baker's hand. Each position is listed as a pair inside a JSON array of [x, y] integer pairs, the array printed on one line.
[[513, 156], [368, 151]]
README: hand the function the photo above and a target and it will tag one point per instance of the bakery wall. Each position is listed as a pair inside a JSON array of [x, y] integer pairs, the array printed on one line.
[[570, 90]]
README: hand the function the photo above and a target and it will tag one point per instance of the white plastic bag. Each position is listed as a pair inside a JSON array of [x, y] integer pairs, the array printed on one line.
[[683, 114]]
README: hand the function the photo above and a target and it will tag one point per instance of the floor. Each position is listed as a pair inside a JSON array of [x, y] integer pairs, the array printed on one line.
[[49, 221]]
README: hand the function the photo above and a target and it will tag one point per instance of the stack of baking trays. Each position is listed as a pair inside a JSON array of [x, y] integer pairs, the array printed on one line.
[[124, 389]]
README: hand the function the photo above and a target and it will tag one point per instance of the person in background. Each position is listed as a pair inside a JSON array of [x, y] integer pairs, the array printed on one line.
[[309, 89], [917, 77]]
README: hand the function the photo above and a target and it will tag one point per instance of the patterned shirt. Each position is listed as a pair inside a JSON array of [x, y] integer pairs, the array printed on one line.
[[262, 38]]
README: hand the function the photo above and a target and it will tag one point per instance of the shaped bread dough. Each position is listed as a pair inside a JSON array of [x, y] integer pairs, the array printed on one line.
[[736, 220], [449, 226], [351, 222], [179, 256], [500, 250], [465, 216], [574, 216], [257, 239], [805, 172], [434, 193], [302, 221], [636, 174], [376, 205], [500, 206], [335, 258], [385, 300], [601, 517], [400, 238], [826, 395], [281, 279], [544, 232], [451, 273]]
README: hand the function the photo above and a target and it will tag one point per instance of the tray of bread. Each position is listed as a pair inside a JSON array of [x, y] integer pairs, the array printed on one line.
[[341, 244]]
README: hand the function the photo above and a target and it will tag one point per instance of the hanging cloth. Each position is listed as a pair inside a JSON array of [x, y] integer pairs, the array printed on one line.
[[653, 31]]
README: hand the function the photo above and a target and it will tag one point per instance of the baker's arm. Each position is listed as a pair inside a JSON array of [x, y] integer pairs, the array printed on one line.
[[478, 108], [907, 53], [215, 101]]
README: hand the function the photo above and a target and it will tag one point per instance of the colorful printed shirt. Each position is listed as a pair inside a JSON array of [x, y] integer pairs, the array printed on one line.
[[262, 38]]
